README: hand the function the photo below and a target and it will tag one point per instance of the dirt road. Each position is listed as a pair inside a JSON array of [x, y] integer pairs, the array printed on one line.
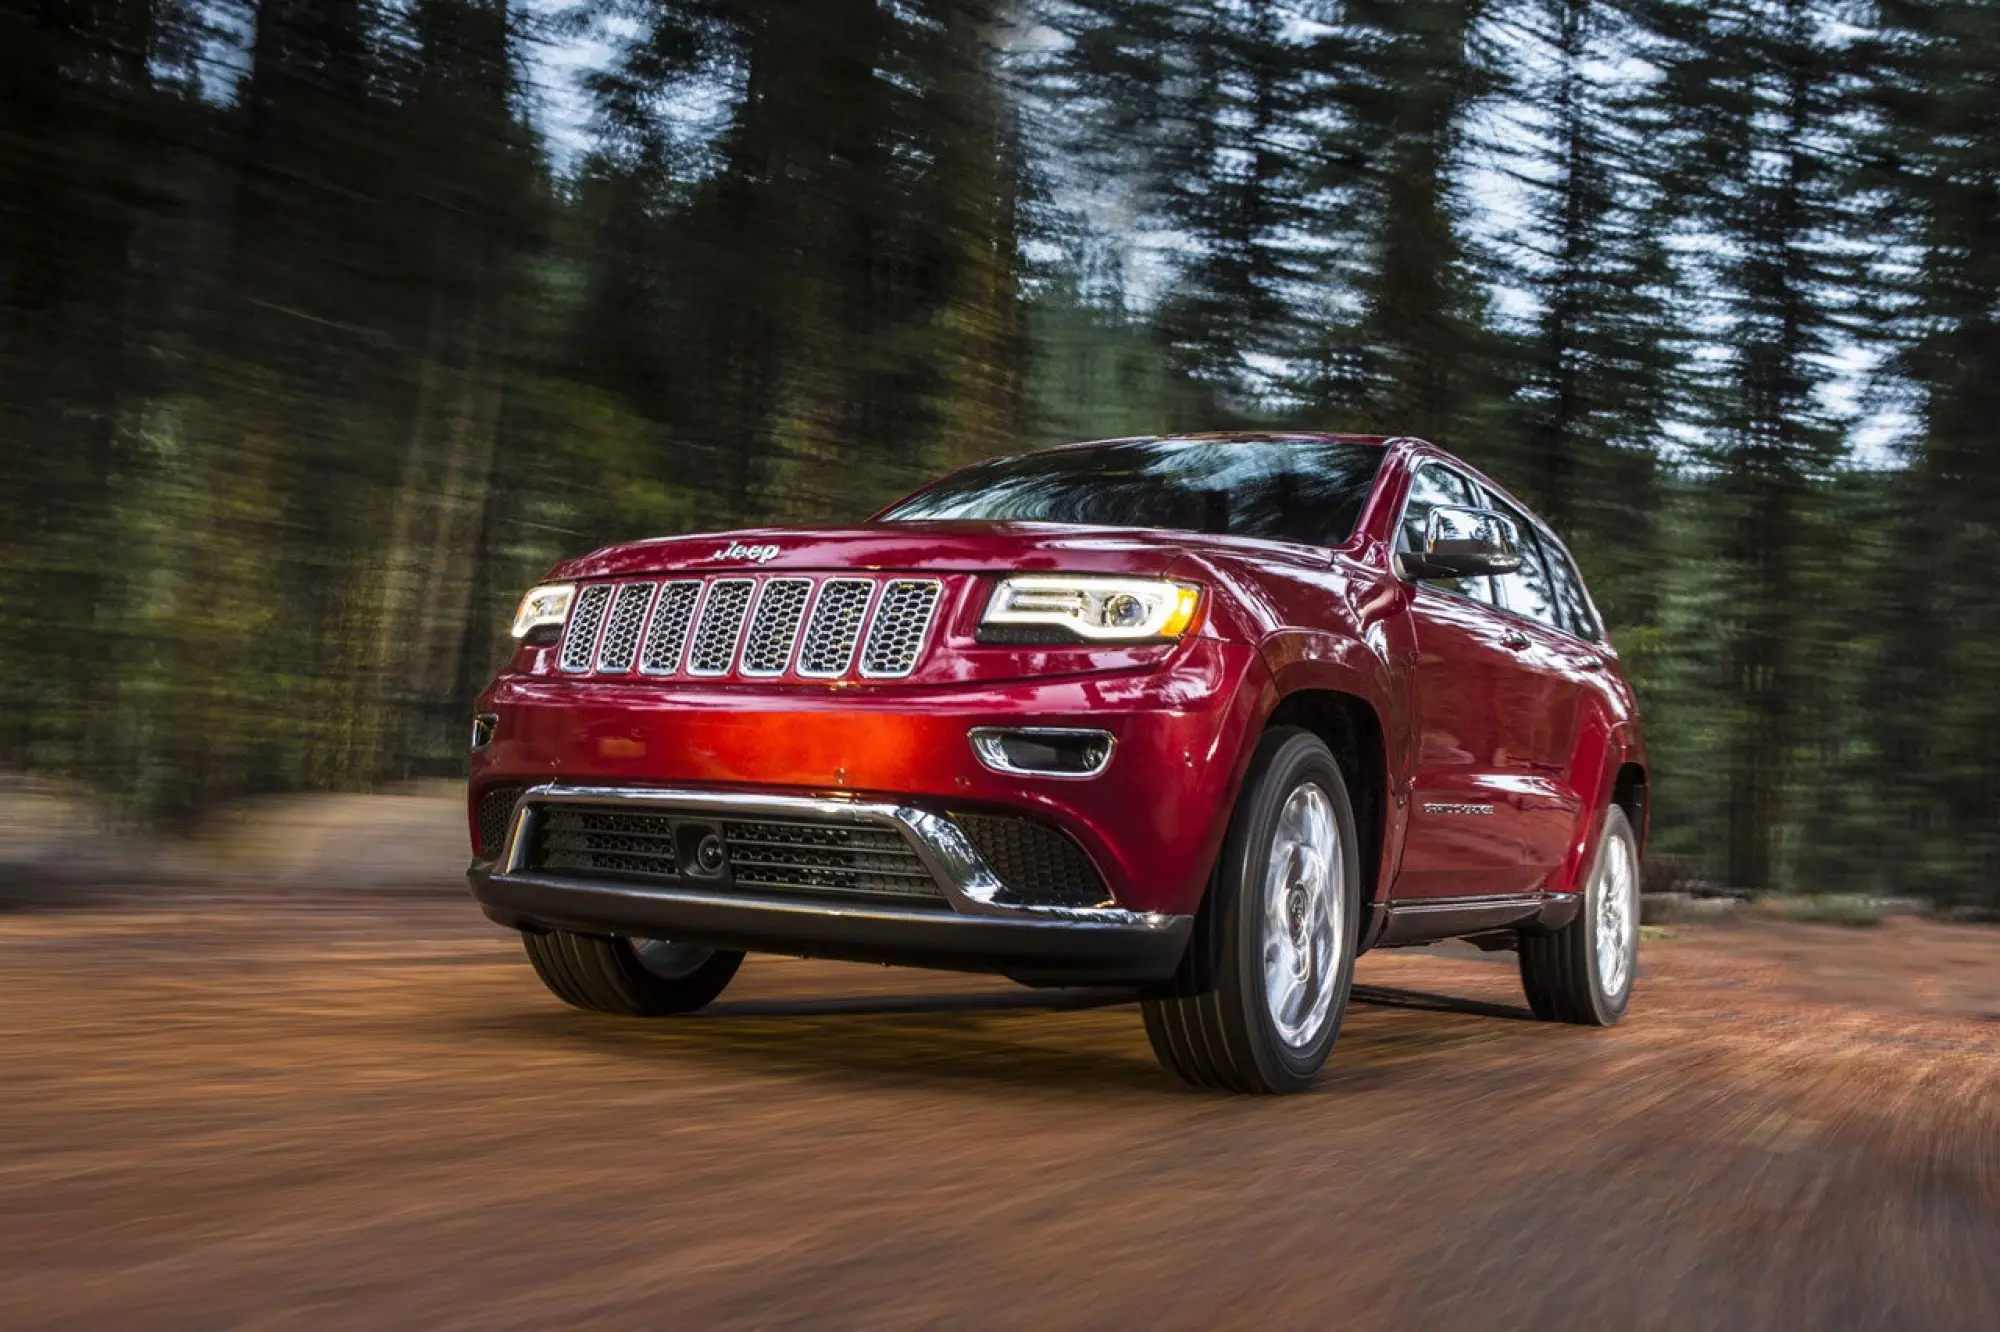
[[274, 1113]]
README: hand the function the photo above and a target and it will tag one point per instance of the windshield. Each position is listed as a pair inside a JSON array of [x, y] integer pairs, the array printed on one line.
[[1305, 490]]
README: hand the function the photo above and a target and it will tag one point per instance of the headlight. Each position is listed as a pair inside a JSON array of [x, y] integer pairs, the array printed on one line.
[[1056, 608], [544, 607]]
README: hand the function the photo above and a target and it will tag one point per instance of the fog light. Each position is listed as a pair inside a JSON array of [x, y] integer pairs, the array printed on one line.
[[1042, 751], [701, 850], [483, 726]]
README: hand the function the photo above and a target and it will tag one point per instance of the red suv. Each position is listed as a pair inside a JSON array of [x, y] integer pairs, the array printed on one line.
[[1206, 715]]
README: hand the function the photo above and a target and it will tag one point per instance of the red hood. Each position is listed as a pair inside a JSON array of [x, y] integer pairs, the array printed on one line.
[[931, 547]]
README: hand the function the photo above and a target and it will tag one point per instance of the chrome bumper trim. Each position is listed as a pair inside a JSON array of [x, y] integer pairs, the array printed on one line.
[[962, 874]]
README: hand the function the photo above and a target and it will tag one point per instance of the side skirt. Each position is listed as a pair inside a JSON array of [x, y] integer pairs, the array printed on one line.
[[1432, 919]]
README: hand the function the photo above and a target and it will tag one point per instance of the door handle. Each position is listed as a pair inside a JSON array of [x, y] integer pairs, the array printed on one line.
[[1516, 641]]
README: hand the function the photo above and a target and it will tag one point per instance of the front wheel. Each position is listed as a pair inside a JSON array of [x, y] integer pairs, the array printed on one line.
[[1260, 996], [629, 977], [1583, 972]]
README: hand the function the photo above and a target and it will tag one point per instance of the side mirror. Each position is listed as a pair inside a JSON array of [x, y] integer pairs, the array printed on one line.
[[1465, 543]]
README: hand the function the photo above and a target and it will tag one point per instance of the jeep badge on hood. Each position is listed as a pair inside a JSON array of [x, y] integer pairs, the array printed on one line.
[[736, 550]]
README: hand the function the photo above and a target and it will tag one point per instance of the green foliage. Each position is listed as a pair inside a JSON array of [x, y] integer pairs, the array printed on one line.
[[1929, 163], [1595, 371], [1743, 133]]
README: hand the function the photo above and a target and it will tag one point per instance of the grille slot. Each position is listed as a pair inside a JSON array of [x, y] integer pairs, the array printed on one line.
[[666, 637], [621, 629], [784, 856], [775, 627], [1040, 864], [580, 639], [491, 816], [835, 628], [721, 625], [902, 622]]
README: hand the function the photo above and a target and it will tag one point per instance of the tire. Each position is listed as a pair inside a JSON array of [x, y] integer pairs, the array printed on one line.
[[1219, 1024], [629, 977], [1568, 977]]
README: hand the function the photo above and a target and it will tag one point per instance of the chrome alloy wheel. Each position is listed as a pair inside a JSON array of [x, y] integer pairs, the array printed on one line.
[[1304, 901], [1617, 917]]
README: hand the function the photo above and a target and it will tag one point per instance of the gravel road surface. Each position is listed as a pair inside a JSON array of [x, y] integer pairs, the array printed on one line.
[[277, 1111]]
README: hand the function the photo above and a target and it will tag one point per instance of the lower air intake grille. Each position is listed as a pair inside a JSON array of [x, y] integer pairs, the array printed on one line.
[[783, 856], [495, 808], [1041, 865], [826, 858], [579, 839]]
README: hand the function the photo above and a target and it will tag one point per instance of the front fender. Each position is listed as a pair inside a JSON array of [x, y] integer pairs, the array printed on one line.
[[1358, 666]]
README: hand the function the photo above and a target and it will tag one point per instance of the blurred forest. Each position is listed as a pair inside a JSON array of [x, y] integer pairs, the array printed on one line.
[[322, 333]]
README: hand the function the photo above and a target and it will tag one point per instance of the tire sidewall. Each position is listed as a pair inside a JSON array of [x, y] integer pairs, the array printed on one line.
[[1296, 759]]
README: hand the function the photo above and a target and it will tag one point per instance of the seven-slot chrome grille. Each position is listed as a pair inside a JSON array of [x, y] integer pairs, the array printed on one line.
[[767, 627]]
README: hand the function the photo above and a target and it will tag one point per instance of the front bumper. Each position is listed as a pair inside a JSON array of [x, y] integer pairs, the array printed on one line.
[[1152, 821], [974, 926]]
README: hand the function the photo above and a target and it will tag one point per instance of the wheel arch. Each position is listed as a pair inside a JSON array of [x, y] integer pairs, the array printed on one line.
[[1630, 792], [1351, 728]]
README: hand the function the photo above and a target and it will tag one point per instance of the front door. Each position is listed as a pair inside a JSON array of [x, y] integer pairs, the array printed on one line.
[[1475, 816]]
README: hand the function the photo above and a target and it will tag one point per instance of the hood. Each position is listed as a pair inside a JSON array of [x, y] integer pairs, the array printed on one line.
[[921, 547]]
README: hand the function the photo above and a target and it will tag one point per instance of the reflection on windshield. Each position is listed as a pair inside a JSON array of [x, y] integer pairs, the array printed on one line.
[[1280, 489]]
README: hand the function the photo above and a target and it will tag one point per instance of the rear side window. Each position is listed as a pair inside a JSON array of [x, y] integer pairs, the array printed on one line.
[[1433, 485]]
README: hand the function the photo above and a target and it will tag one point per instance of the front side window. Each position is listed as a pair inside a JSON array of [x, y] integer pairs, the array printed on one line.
[[1435, 484], [1309, 491]]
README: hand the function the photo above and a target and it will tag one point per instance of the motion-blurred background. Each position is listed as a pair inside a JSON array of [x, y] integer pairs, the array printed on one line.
[[326, 324]]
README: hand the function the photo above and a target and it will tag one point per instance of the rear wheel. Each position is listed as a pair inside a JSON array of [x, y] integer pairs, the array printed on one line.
[[1260, 996], [1583, 972], [630, 977]]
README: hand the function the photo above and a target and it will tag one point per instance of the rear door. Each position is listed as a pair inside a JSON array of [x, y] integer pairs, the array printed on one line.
[[1468, 692], [1536, 764]]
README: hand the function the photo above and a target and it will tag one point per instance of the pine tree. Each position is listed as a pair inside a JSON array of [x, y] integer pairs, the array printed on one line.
[[96, 103], [1404, 348], [1195, 110], [842, 307], [1597, 365], [1744, 116], [465, 212], [1931, 162]]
